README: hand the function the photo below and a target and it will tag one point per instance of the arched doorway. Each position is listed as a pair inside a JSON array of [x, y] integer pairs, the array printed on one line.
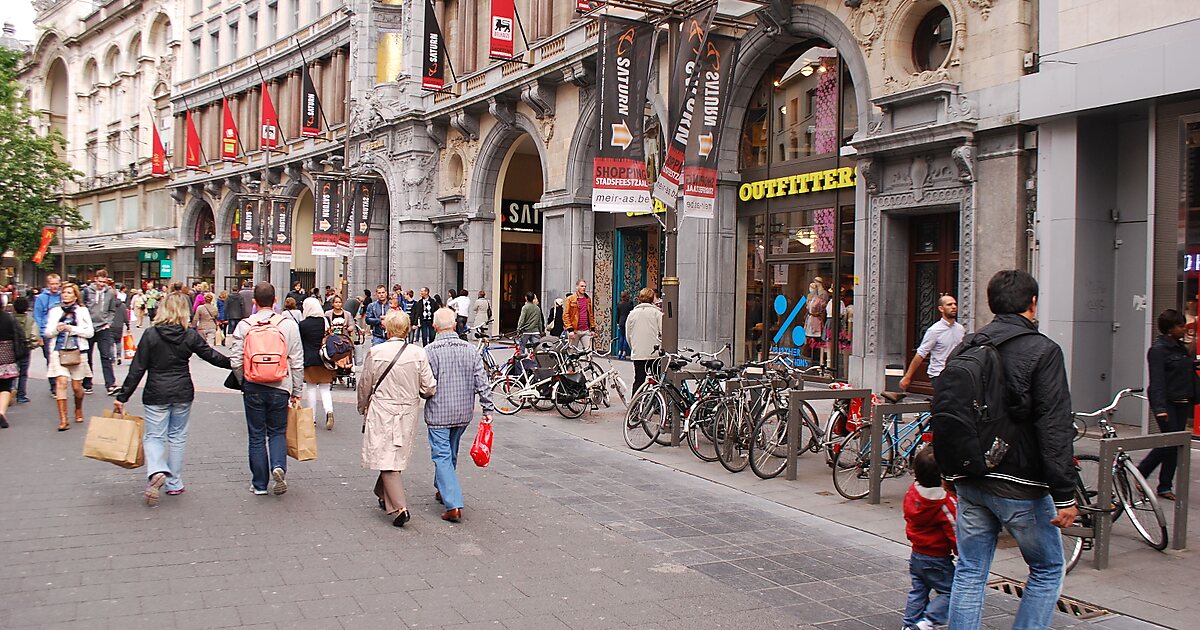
[[304, 264], [518, 232], [203, 235]]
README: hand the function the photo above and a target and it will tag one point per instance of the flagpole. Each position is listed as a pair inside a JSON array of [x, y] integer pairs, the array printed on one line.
[[320, 105]]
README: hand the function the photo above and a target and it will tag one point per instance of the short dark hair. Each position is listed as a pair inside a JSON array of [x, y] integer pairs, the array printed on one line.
[[264, 294], [925, 468], [529, 296], [624, 296], [1169, 319], [21, 304], [1011, 291]]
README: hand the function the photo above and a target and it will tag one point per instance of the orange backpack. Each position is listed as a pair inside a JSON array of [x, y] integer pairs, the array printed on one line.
[[265, 352]]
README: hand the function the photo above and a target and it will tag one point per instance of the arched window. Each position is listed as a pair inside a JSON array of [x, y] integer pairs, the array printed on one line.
[[160, 35], [112, 63]]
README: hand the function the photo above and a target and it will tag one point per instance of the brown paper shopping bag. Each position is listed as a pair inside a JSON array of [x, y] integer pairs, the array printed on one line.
[[115, 439], [301, 434]]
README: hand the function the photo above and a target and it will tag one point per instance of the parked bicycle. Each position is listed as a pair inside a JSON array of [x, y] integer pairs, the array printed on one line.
[[660, 402], [901, 441]]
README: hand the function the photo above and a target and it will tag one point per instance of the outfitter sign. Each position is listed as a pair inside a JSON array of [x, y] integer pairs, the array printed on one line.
[[619, 177], [682, 102], [700, 162]]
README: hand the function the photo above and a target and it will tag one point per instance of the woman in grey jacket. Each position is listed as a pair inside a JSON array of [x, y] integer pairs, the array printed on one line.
[[644, 329]]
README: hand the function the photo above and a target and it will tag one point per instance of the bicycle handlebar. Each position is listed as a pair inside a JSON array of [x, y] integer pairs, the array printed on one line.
[[1104, 411]]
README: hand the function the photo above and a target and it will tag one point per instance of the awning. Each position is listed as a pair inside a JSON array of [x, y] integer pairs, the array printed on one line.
[[106, 244]]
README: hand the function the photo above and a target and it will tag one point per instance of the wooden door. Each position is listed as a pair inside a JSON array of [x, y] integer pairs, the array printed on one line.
[[932, 273]]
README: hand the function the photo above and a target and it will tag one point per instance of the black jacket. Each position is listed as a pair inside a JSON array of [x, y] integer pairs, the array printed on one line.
[[162, 355], [235, 307], [312, 333], [1039, 402], [623, 311], [1172, 377], [556, 320]]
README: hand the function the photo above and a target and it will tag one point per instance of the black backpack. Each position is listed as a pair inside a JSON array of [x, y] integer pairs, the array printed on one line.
[[970, 419]]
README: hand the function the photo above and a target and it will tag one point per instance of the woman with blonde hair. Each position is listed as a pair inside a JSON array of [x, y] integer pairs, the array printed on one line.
[[68, 329], [205, 320], [162, 356], [318, 379], [396, 376]]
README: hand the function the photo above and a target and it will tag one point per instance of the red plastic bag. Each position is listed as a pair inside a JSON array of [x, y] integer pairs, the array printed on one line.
[[129, 346], [481, 450]]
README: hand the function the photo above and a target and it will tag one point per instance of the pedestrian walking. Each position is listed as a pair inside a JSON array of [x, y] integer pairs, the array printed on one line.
[[1029, 486], [421, 315], [152, 297], [138, 303], [353, 306], [105, 312], [396, 375], [291, 309], [1173, 395], [68, 330], [248, 305], [481, 311], [579, 316], [529, 322], [163, 355], [555, 318], [12, 351], [459, 375], [207, 319], [644, 327], [268, 386], [297, 293], [318, 379], [374, 315], [461, 303], [624, 307], [929, 514], [941, 338], [33, 339]]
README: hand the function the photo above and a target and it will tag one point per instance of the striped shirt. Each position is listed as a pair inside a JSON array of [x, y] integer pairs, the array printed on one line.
[[460, 376]]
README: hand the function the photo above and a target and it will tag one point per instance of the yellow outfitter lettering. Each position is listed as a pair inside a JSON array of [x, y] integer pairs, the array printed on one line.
[[815, 181]]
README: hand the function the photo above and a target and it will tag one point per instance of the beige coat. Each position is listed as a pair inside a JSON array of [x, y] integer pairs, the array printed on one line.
[[643, 329], [393, 413]]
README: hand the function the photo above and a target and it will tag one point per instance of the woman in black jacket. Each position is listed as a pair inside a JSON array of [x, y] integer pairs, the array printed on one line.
[[162, 355], [318, 379], [1172, 394]]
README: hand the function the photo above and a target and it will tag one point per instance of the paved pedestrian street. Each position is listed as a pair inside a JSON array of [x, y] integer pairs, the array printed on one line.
[[559, 532]]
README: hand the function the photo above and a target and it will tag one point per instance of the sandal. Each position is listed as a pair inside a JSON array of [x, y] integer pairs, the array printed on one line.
[[152, 488]]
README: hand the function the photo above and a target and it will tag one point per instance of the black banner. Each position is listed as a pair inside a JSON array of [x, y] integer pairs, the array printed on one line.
[[520, 216], [681, 103], [619, 178], [281, 232], [364, 192], [325, 221], [310, 106], [433, 64], [712, 93], [249, 243]]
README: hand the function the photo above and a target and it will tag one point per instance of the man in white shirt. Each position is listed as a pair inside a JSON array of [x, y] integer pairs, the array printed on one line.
[[941, 338], [462, 308]]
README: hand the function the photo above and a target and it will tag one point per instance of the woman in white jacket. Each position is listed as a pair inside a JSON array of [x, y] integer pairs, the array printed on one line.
[[643, 328], [69, 327]]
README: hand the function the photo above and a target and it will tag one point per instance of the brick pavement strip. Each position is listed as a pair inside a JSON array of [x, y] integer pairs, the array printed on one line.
[[558, 533]]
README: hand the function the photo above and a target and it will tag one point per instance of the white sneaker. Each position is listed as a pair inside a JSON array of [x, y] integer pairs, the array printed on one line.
[[257, 491], [281, 485], [924, 624]]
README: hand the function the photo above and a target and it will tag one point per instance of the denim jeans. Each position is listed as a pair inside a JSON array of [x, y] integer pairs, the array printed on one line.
[[46, 341], [928, 573], [980, 517], [443, 448], [1177, 419], [164, 439], [107, 340], [426, 333], [375, 341], [622, 342], [23, 377], [266, 424]]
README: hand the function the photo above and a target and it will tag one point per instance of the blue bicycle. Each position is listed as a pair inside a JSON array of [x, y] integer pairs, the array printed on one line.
[[852, 457]]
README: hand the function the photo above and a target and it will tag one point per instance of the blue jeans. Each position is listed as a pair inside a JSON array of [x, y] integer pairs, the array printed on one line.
[[928, 573], [164, 439], [107, 340], [622, 342], [426, 333], [980, 517], [443, 447], [375, 341], [266, 424]]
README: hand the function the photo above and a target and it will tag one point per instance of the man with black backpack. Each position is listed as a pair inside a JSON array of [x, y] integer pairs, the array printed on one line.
[[1002, 434]]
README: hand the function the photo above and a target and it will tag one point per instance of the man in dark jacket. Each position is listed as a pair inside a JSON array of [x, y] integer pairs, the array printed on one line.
[[235, 310], [103, 309], [1172, 392], [421, 315], [1030, 492], [374, 315]]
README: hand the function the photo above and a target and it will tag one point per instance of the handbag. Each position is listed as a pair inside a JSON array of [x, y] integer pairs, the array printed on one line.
[[381, 377], [129, 346], [481, 449]]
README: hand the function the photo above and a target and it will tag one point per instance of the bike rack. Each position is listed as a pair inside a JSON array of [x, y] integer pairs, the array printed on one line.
[[1102, 529], [878, 413], [801, 395]]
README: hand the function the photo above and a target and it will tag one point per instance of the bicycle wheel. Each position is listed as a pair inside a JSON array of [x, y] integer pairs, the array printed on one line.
[[643, 420], [702, 428], [569, 405], [1140, 504], [545, 400], [618, 384], [851, 465], [502, 390], [664, 436], [768, 444], [1072, 548], [834, 433], [734, 451]]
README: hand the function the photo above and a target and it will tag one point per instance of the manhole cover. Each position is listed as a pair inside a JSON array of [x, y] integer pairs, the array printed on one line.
[[1068, 605]]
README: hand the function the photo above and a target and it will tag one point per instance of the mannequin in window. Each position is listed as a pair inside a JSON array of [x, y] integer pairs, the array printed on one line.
[[814, 323]]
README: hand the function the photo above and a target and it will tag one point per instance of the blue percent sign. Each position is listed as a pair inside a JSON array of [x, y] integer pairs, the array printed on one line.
[[781, 307]]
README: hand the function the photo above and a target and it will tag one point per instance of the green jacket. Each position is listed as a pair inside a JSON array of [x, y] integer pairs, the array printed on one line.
[[530, 320], [28, 327]]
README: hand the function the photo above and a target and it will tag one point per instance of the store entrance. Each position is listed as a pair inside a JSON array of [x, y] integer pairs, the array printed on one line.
[[932, 273], [520, 232]]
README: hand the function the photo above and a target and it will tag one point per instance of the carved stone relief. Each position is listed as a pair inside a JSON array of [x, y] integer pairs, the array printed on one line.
[[867, 22]]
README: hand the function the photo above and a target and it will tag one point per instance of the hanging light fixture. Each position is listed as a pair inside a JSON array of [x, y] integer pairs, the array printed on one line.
[[807, 70]]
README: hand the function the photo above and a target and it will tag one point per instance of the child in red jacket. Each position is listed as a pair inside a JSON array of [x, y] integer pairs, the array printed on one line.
[[929, 514]]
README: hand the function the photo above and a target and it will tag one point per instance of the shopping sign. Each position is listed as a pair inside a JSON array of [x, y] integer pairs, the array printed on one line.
[[503, 13], [619, 178], [700, 159], [281, 232], [682, 102]]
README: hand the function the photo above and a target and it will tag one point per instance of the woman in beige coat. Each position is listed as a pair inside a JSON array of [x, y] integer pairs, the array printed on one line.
[[205, 320], [395, 377]]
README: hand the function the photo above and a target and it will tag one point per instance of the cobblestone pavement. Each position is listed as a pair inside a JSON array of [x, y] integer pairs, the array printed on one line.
[[558, 532]]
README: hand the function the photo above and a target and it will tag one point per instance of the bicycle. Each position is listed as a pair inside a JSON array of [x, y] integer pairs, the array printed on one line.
[[852, 461], [659, 401], [768, 447]]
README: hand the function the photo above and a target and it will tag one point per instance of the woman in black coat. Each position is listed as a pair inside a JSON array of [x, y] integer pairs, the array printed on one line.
[[1172, 394], [318, 379], [162, 356]]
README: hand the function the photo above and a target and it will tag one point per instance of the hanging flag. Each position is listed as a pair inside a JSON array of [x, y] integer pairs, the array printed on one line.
[[681, 102], [619, 178], [363, 193], [325, 223], [193, 150], [346, 223], [249, 245], [700, 159], [503, 12], [281, 232], [268, 137], [583, 6], [229, 134], [310, 106], [235, 232], [158, 155], [47, 236], [433, 72]]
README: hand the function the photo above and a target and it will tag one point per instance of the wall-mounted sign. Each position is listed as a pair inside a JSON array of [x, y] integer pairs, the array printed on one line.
[[166, 268], [152, 255], [520, 216], [815, 181]]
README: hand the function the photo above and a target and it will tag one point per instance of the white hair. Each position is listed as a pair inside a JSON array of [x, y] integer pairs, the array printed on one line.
[[445, 319], [312, 308]]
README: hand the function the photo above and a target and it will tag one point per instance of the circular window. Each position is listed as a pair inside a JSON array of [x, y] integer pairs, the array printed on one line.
[[455, 172], [931, 42]]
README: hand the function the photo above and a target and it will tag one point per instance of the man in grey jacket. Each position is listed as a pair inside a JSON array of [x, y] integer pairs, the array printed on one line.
[[104, 311], [266, 404]]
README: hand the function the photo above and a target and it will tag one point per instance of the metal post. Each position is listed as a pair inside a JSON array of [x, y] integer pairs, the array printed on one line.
[[1183, 471], [875, 472], [793, 437], [1102, 523], [670, 281]]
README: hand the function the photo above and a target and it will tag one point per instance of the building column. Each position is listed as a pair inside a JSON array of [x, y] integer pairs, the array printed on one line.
[[185, 262], [224, 253], [568, 244], [706, 256]]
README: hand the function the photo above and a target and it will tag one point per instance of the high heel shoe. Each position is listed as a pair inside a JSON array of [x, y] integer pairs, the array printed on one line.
[[382, 506], [401, 519]]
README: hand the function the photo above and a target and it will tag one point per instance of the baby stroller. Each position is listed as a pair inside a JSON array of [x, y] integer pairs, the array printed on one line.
[[344, 371]]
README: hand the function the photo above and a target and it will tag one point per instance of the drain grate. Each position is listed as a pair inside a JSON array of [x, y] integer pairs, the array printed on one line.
[[1068, 605]]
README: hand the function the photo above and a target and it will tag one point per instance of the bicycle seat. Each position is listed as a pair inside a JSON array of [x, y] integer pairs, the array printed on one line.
[[678, 364], [713, 365], [893, 397]]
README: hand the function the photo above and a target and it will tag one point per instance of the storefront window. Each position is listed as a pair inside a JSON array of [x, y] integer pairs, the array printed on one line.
[[801, 311], [803, 232], [755, 250], [1190, 206]]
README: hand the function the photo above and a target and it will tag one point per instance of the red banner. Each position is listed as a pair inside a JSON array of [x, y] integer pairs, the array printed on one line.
[[47, 237], [192, 158], [682, 101], [229, 133], [310, 105], [503, 13], [700, 158], [268, 137], [158, 155], [583, 6]]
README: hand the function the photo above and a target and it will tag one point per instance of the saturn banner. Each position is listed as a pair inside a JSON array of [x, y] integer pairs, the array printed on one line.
[[363, 194], [700, 160], [281, 232], [325, 225], [433, 69], [249, 244], [619, 178], [682, 102]]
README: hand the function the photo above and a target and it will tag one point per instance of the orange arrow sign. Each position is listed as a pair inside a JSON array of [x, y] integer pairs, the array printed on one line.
[[621, 136], [324, 225], [706, 144]]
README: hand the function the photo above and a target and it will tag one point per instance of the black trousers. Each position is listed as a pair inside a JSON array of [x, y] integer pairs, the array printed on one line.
[[1176, 420], [639, 373]]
